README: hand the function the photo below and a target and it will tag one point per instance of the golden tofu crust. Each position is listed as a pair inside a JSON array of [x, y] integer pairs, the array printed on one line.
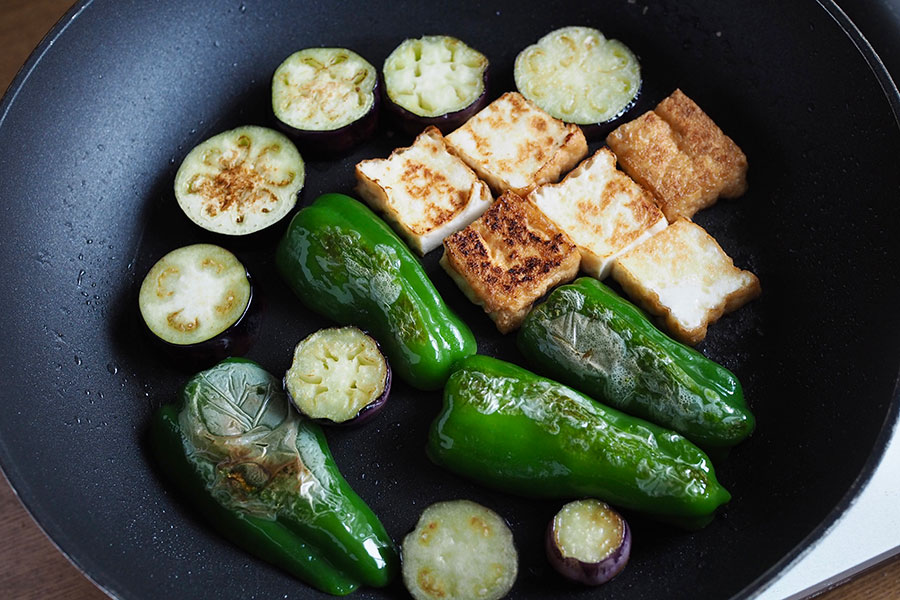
[[514, 145], [508, 258], [683, 276], [724, 165], [679, 154]]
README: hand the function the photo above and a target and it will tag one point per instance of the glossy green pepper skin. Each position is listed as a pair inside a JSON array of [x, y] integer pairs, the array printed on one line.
[[587, 336], [344, 262], [512, 430], [266, 480]]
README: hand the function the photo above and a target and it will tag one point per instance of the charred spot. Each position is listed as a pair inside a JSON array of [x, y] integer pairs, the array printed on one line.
[[534, 149], [430, 583], [517, 101]]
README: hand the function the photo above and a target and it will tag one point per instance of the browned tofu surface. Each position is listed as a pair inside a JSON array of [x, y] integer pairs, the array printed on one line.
[[602, 209], [424, 191], [508, 258], [514, 145], [683, 276], [679, 154]]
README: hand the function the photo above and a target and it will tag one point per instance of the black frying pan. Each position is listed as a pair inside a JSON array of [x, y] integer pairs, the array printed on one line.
[[97, 122]]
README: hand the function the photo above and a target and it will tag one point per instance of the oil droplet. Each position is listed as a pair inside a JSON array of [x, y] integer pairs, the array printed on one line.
[[113, 368], [77, 360], [80, 278]]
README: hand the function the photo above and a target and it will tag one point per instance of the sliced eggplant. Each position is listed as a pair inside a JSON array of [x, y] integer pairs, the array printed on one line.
[[588, 542], [327, 99], [240, 181], [338, 375], [459, 550], [199, 304], [579, 76], [434, 80]]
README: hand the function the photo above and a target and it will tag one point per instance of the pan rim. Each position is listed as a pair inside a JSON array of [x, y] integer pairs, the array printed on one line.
[[889, 427]]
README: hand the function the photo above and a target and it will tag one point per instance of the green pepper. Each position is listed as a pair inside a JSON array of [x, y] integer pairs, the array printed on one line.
[[344, 262], [588, 337], [266, 480], [512, 430]]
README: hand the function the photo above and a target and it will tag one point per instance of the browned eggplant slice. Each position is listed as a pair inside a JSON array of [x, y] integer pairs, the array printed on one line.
[[327, 99]]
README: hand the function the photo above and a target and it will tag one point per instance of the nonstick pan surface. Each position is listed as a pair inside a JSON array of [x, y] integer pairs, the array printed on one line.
[[97, 122]]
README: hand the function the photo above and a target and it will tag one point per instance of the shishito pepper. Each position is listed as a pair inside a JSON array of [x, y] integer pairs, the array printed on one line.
[[587, 336], [266, 480], [515, 431], [344, 262]]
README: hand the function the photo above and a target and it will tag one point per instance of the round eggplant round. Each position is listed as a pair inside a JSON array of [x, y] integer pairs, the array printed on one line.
[[579, 76], [588, 542], [200, 306], [338, 376], [435, 80], [327, 99], [240, 181], [459, 550]]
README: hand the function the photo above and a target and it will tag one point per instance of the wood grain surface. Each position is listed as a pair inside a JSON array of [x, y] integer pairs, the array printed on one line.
[[31, 567]]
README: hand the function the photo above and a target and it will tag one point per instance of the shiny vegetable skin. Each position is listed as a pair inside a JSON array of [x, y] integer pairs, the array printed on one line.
[[345, 263], [512, 430], [287, 504], [587, 336]]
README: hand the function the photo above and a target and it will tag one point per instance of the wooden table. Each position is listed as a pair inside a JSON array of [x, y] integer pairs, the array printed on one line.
[[30, 565]]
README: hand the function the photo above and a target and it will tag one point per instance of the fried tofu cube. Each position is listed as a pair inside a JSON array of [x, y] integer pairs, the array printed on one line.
[[602, 209], [425, 192], [508, 258], [684, 277], [678, 153], [514, 145]]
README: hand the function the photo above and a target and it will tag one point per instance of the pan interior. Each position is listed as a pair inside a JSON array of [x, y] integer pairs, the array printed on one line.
[[98, 122]]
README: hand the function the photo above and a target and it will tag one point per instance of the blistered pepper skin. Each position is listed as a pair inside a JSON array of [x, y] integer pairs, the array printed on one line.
[[588, 337], [345, 263], [294, 511], [512, 430]]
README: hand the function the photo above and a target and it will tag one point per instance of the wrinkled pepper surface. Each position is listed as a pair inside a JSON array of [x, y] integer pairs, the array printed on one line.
[[512, 430], [587, 336], [344, 262], [266, 480]]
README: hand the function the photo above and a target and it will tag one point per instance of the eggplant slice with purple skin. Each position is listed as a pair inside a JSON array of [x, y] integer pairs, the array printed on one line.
[[588, 542], [338, 376], [327, 99], [434, 80], [579, 76], [199, 304], [240, 181]]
